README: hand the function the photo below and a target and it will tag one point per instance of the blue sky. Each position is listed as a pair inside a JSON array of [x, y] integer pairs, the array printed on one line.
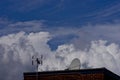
[[61, 12], [61, 30]]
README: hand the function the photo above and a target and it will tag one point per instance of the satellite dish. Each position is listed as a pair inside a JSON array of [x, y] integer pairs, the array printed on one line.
[[75, 64]]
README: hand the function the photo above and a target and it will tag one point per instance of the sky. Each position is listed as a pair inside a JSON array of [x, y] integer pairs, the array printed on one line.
[[60, 30]]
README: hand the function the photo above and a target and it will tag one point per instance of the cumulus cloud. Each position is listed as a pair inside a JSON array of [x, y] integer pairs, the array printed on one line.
[[17, 49], [95, 45], [100, 54]]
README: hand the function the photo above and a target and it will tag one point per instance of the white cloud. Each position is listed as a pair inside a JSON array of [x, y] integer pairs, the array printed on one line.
[[16, 51], [98, 55]]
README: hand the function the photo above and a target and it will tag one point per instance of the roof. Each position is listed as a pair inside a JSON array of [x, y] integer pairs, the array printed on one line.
[[81, 71]]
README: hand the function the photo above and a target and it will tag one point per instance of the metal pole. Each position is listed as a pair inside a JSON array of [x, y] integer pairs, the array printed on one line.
[[37, 72]]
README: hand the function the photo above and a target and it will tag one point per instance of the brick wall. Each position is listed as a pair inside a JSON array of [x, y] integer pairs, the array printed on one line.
[[97, 76]]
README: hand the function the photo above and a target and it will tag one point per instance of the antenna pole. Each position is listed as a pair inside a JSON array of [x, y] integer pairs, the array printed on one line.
[[38, 61], [37, 72]]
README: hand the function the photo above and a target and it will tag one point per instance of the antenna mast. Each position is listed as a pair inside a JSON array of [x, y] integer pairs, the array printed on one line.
[[37, 61]]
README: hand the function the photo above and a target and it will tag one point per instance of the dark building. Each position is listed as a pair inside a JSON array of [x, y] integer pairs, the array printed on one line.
[[83, 74]]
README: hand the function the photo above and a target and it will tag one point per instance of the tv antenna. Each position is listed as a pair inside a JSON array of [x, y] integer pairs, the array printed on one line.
[[75, 64], [37, 61]]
